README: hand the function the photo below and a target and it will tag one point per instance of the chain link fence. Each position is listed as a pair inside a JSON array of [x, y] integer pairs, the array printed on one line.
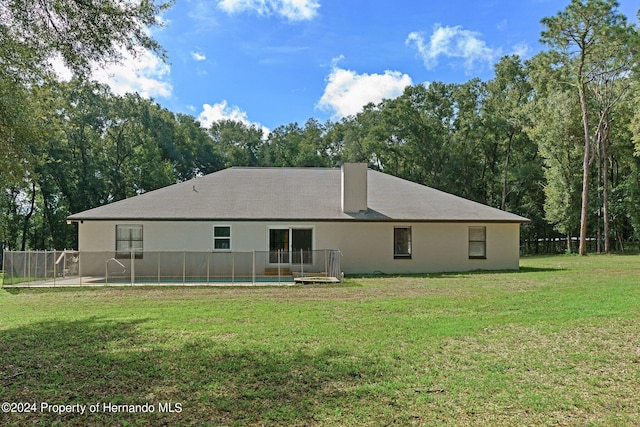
[[83, 268]]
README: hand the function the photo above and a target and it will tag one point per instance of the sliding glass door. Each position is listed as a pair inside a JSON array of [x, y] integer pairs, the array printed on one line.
[[301, 245], [279, 246], [290, 245]]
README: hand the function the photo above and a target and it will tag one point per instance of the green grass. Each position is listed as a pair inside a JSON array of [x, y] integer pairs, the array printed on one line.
[[557, 343]]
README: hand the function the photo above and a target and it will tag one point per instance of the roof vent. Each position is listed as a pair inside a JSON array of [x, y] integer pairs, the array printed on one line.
[[354, 187]]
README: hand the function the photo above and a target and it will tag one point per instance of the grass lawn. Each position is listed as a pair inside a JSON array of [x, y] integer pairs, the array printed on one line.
[[557, 343]]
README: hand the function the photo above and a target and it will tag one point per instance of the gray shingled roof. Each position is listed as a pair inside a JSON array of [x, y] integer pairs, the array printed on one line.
[[293, 194]]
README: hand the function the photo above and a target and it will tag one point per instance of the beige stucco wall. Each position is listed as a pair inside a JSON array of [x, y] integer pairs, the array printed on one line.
[[436, 247], [354, 187], [366, 247]]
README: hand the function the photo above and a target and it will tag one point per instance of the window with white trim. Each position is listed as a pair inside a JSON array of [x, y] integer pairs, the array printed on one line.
[[129, 239], [402, 242], [222, 238], [477, 242]]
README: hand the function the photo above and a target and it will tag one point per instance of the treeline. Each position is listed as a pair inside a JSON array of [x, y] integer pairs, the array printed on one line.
[[527, 141]]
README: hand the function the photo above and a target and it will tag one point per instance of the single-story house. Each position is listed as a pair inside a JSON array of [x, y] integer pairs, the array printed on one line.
[[378, 222]]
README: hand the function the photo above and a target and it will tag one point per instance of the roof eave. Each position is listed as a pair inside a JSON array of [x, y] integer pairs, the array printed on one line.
[[74, 218]]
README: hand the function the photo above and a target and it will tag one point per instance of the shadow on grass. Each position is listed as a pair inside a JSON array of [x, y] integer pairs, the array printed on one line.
[[97, 361], [458, 274], [17, 289]]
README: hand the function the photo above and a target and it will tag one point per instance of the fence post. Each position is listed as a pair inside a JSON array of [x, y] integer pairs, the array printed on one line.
[[326, 263], [253, 266], [28, 255], [4, 270], [184, 266], [133, 267], [233, 267], [13, 267], [34, 265], [24, 266], [55, 271], [106, 270]]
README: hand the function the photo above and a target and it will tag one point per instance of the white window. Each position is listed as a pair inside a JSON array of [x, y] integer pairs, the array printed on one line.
[[128, 240], [402, 242], [222, 238], [477, 242]]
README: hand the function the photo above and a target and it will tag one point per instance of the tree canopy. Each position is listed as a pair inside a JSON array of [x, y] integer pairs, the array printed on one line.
[[592, 41], [80, 32]]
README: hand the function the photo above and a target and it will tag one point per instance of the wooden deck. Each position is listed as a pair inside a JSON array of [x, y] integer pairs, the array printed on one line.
[[315, 279]]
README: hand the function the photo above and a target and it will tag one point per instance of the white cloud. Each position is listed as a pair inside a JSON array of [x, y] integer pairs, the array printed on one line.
[[453, 42], [293, 10], [204, 18], [63, 72], [162, 21], [222, 111], [198, 56], [143, 73], [347, 92], [521, 49]]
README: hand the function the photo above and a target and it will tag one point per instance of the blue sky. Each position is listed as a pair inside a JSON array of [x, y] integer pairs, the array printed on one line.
[[274, 62]]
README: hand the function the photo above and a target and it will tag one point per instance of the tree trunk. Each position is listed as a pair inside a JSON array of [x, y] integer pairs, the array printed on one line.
[[599, 192], [503, 203], [605, 189], [602, 139], [582, 248], [27, 217]]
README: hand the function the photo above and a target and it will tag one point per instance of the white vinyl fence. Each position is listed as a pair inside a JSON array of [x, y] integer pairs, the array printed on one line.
[[74, 268]]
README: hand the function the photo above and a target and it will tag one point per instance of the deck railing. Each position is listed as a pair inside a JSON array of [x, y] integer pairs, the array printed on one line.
[[75, 268]]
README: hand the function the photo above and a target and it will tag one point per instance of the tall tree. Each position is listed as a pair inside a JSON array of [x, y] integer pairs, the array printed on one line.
[[418, 129], [293, 146], [473, 157], [588, 37], [368, 138], [239, 143], [197, 154], [557, 131], [504, 115], [81, 33]]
